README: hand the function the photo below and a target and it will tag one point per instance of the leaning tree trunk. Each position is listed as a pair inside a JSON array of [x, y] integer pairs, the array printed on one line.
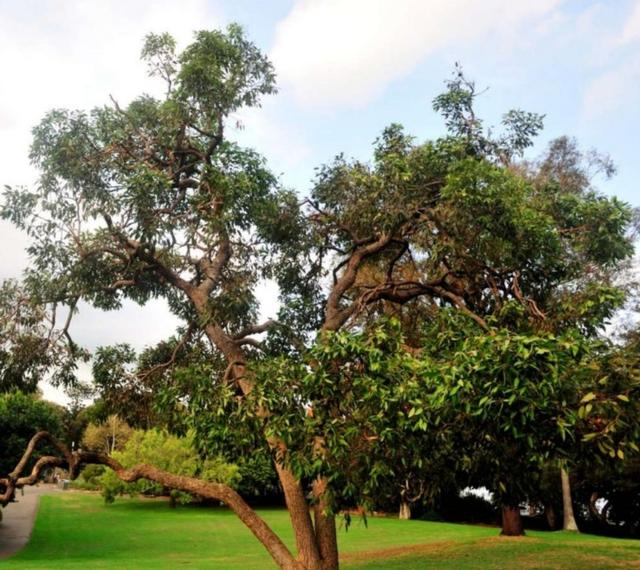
[[511, 521], [569, 521]]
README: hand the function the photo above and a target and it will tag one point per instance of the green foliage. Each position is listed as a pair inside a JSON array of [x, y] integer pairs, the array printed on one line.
[[456, 105], [30, 344], [221, 72], [180, 163], [173, 454], [21, 417], [89, 478], [512, 396], [608, 411]]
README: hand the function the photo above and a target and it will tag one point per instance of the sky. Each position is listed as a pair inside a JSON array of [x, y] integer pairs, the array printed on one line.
[[346, 69]]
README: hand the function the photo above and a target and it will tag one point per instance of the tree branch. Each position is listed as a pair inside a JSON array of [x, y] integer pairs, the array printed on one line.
[[255, 329], [210, 490]]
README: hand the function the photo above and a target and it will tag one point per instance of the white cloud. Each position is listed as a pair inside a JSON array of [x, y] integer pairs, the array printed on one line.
[[613, 90], [279, 140], [617, 85], [73, 53], [345, 52], [631, 31]]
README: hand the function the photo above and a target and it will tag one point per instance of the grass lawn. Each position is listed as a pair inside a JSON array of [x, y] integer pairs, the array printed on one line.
[[76, 530]]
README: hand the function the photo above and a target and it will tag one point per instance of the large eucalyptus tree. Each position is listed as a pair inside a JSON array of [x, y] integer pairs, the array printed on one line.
[[152, 199]]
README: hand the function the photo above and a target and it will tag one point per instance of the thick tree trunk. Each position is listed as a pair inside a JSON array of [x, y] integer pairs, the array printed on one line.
[[569, 521], [511, 521], [307, 545], [550, 514], [405, 510], [325, 527], [306, 541]]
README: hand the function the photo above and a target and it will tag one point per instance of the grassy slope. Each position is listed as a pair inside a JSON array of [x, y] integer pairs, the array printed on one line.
[[78, 531]]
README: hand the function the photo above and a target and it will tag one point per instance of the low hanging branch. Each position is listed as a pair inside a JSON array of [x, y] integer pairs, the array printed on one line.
[[205, 489]]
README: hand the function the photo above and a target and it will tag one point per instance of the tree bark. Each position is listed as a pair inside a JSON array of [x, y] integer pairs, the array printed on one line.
[[405, 510], [593, 508], [309, 553], [550, 514], [511, 521], [569, 521], [325, 527], [306, 541]]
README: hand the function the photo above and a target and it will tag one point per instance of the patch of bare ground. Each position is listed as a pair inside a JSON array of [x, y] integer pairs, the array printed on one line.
[[546, 561], [434, 548], [554, 558], [491, 541], [605, 562]]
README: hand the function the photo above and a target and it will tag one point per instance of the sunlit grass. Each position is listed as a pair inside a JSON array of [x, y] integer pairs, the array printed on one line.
[[75, 530]]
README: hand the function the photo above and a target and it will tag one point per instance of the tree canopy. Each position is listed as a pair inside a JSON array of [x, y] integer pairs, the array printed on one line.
[[152, 199]]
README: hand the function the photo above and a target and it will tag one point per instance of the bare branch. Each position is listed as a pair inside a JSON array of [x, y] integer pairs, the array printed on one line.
[[335, 315], [255, 329]]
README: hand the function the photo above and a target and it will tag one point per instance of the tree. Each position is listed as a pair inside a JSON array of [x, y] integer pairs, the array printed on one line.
[[513, 398], [153, 200], [30, 342], [21, 415], [107, 437], [608, 416]]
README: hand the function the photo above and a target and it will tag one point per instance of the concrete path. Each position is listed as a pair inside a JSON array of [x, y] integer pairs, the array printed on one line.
[[18, 518]]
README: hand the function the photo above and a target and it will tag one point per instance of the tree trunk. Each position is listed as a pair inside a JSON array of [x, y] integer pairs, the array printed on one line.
[[593, 508], [325, 526], [550, 514], [569, 521], [307, 543], [511, 521], [405, 510]]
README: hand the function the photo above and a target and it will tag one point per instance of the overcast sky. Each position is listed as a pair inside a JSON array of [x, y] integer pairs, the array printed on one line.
[[346, 68]]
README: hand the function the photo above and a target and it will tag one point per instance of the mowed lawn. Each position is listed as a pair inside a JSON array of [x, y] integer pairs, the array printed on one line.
[[76, 530]]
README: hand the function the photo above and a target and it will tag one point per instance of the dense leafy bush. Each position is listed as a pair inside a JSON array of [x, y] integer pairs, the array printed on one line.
[[21, 416], [89, 478]]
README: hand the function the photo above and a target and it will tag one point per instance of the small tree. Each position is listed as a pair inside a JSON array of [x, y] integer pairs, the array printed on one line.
[[107, 437]]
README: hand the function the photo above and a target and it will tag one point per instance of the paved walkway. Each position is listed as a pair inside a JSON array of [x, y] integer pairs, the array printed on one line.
[[18, 518]]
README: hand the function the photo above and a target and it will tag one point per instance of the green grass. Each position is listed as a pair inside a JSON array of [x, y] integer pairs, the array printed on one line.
[[75, 530]]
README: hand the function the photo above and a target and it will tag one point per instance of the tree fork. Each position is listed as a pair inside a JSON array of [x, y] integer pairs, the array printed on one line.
[[307, 544]]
